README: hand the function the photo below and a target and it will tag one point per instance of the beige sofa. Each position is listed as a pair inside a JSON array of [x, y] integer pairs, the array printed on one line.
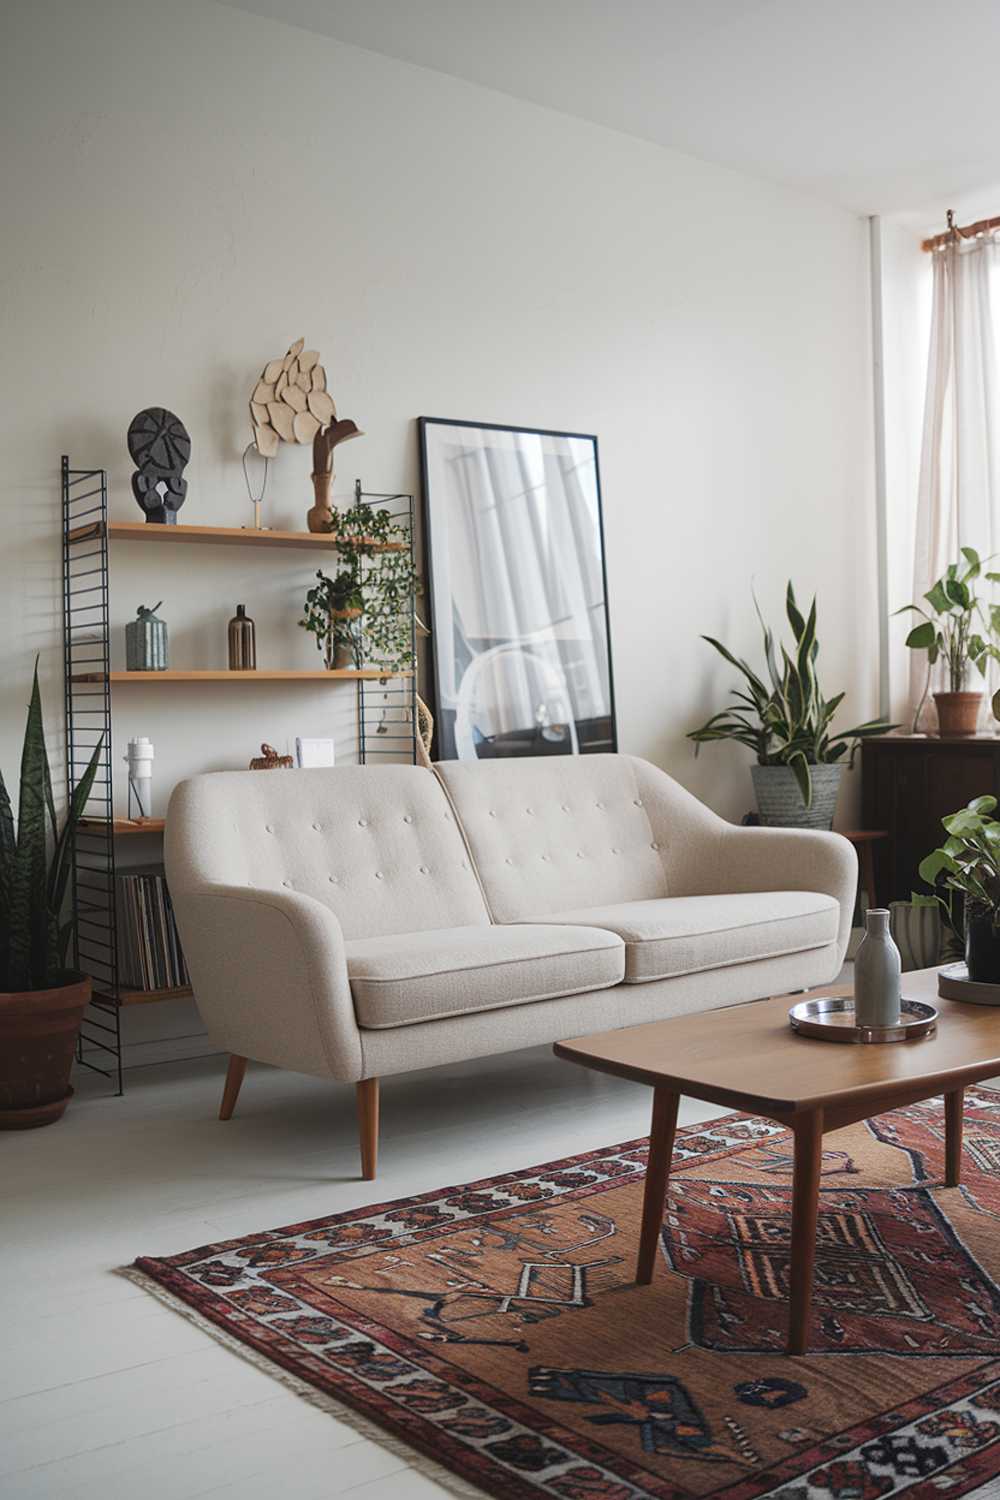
[[358, 922]]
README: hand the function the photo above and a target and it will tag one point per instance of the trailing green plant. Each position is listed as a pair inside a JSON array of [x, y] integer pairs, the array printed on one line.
[[782, 715], [966, 866], [377, 577], [959, 629], [35, 864]]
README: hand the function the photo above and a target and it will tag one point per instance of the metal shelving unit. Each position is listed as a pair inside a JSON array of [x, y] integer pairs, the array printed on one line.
[[386, 720]]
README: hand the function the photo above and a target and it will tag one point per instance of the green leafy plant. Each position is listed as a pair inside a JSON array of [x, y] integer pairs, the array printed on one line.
[[785, 719], [966, 866], [35, 864], [378, 579], [331, 606], [959, 627]]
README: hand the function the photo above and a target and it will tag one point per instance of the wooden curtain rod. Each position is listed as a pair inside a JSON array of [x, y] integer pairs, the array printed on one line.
[[954, 231]]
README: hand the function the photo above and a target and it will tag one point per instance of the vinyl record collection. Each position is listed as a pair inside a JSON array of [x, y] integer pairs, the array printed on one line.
[[149, 950]]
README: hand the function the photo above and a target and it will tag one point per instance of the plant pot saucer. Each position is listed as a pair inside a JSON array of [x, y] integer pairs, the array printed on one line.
[[35, 1114], [954, 984]]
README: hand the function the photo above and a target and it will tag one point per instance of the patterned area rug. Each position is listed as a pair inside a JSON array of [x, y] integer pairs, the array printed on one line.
[[495, 1327]]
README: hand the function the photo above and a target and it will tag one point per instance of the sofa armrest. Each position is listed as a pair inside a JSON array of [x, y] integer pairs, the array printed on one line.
[[791, 859], [270, 977]]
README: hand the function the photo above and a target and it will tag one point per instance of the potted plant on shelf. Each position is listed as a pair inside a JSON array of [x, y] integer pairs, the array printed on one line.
[[787, 722], [41, 1000], [364, 616], [331, 607], [967, 869], [957, 632]]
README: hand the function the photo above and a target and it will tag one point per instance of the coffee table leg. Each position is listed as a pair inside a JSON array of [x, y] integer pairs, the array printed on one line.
[[805, 1202], [953, 1104], [661, 1149]]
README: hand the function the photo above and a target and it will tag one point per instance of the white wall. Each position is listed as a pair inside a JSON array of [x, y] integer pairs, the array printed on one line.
[[187, 188]]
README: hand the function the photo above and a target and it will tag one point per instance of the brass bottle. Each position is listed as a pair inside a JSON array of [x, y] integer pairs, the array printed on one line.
[[242, 642]]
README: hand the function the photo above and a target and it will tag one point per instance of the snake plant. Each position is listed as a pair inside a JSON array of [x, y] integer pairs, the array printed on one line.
[[785, 720], [35, 864]]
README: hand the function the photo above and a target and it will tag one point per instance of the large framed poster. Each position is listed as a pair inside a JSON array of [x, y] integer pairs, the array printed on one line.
[[520, 633]]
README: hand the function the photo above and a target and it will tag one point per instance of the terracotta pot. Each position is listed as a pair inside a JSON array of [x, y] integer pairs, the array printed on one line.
[[958, 713], [38, 1032]]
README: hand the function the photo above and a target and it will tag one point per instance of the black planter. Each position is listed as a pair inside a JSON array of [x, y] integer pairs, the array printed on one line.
[[982, 947]]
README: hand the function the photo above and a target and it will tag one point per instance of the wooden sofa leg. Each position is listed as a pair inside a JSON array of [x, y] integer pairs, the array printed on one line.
[[367, 1094], [234, 1081]]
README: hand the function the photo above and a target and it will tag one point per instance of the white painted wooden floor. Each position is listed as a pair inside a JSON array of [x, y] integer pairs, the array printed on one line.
[[107, 1395]]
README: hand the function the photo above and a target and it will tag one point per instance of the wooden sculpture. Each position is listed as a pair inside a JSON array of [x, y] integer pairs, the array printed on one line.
[[290, 403]]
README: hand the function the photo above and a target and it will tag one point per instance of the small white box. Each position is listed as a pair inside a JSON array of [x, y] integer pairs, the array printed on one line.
[[312, 753]]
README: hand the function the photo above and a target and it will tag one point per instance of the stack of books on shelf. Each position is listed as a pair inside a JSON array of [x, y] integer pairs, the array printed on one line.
[[149, 950]]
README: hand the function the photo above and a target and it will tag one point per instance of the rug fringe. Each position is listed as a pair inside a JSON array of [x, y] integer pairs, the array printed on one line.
[[362, 1425]]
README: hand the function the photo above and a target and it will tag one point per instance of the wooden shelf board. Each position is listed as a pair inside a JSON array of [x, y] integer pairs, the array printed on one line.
[[148, 997], [143, 531], [338, 674], [124, 825]]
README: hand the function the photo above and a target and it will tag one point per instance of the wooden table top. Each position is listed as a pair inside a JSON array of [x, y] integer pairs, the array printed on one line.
[[748, 1057]]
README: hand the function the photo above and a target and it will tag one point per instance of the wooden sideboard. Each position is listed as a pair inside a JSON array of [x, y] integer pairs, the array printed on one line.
[[909, 782]]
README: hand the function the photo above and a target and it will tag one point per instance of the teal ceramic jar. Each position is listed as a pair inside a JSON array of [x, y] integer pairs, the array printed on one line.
[[146, 641]]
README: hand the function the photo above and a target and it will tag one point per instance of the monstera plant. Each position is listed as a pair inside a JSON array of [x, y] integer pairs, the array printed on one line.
[[41, 1000]]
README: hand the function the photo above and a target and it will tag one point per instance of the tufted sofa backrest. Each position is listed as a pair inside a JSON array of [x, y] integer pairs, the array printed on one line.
[[550, 833], [378, 845]]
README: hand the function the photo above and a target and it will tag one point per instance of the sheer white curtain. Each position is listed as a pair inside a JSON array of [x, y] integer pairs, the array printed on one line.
[[959, 490]]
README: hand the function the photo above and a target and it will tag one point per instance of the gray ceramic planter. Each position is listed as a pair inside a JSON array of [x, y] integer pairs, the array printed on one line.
[[780, 803]]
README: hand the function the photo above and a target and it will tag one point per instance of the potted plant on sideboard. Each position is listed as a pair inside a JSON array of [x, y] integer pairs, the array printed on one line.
[[788, 724], [967, 869], [41, 1001], [956, 632]]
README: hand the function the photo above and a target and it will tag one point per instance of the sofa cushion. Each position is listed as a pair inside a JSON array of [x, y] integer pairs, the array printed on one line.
[[570, 830], [378, 845], [686, 934], [423, 976]]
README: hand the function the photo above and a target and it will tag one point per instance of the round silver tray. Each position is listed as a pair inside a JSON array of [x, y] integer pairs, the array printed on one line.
[[831, 1019], [954, 984]]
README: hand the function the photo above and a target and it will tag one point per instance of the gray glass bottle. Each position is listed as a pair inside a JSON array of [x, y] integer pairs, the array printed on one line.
[[876, 973], [242, 642]]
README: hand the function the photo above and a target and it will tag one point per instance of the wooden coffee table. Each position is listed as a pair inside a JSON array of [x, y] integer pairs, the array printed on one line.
[[748, 1058]]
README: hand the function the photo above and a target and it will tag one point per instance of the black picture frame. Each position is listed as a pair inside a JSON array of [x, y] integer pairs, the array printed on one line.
[[598, 734]]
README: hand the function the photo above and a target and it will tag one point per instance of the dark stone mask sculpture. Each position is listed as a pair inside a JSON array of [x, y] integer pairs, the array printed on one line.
[[160, 448]]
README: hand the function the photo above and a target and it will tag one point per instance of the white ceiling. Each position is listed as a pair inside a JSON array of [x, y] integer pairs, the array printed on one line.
[[884, 106]]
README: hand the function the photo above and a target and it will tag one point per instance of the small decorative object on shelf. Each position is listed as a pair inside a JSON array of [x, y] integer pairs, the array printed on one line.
[[310, 753], [242, 642], [160, 448], [290, 403], [320, 516], [877, 968], [140, 777], [270, 760], [960, 633], [256, 500], [784, 718], [146, 648]]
